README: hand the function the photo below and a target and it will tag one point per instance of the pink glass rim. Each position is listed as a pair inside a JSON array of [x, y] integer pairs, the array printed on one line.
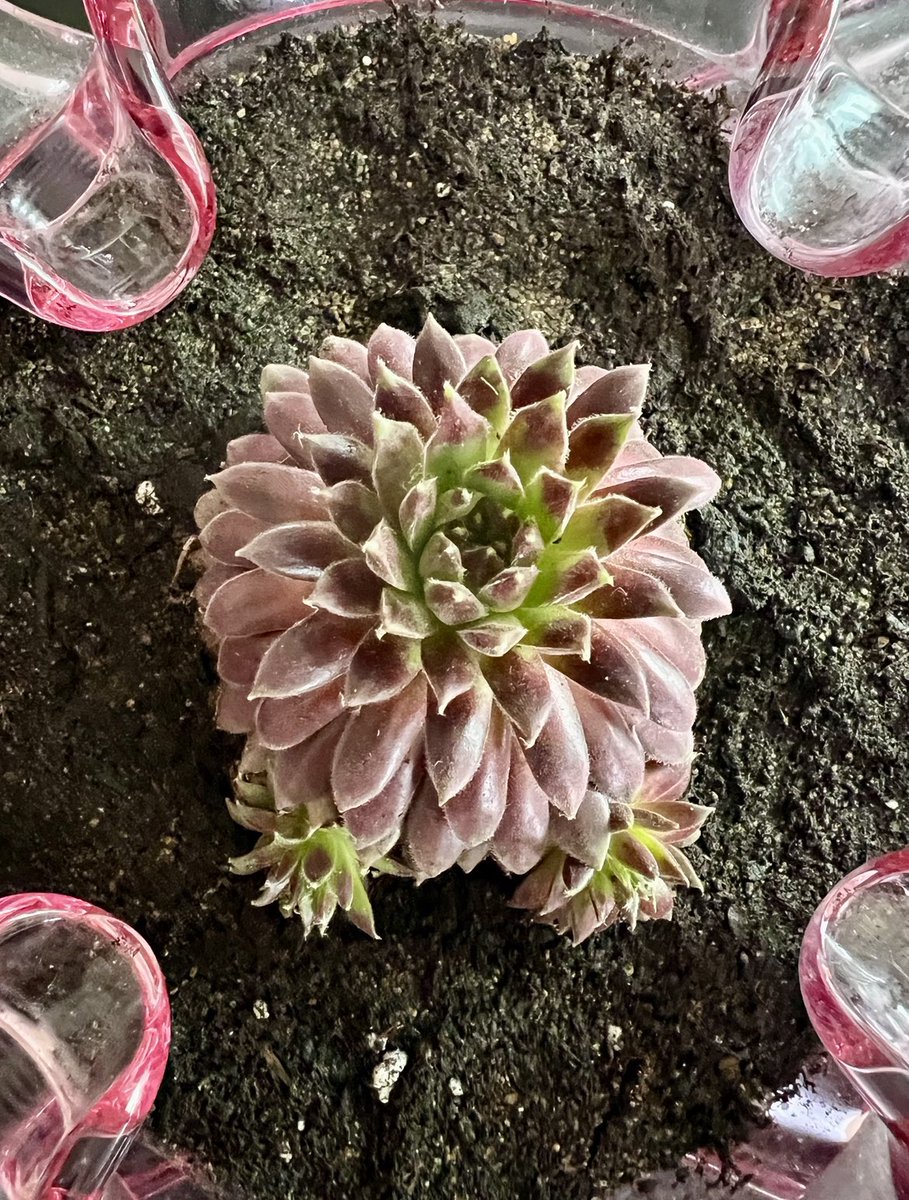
[[843, 1036], [129, 1099]]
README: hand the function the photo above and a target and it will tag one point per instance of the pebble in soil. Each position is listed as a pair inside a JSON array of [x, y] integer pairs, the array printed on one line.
[[402, 169]]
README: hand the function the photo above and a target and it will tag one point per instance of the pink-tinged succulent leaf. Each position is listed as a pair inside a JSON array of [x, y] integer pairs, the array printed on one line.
[[455, 740], [308, 655], [607, 522], [271, 491], [403, 615], [400, 400], [486, 390], [299, 550], [661, 744], [209, 505], [342, 399], [398, 461], [461, 440], [474, 812], [387, 557], [674, 485], [684, 871], [449, 669], [630, 594], [215, 575], [619, 391], [616, 757], [239, 658], [281, 724], [236, 713], [631, 852], [679, 642], [301, 776], [382, 816], [256, 602], [527, 545], [228, 532], [289, 417], [558, 758], [473, 347], [587, 836], [278, 378], [354, 508], [380, 668], [568, 577], [441, 559], [558, 629], [375, 741], [537, 437], [437, 361], [348, 588], [392, 347], [255, 447], [677, 822], [336, 457], [493, 636], [519, 350], [521, 837], [594, 444], [545, 377], [665, 783], [683, 573], [417, 512], [453, 603], [455, 503], [553, 499], [346, 353], [430, 843], [481, 563], [520, 682], [508, 589], [496, 479], [584, 377]]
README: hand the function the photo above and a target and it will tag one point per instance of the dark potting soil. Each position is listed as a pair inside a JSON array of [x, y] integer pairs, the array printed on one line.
[[378, 176]]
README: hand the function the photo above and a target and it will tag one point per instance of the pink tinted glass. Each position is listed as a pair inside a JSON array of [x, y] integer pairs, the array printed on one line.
[[107, 203], [84, 1038]]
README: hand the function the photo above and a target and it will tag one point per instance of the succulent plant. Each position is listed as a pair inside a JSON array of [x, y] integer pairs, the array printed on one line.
[[456, 611]]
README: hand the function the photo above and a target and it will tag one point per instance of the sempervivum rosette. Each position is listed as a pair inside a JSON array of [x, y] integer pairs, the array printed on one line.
[[453, 600]]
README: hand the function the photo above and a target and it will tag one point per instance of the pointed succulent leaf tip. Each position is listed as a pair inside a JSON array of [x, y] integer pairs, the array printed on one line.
[[393, 348], [349, 588], [457, 620], [336, 457], [417, 510], [437, 361], [620, 391], [461, 440], [552, 499], [497, 479], [485, 389], [398, 462], [538, 437], [387, 558], [354, 508], [400, 400], [312, 871], [453, 603], [403, 615], [545, 377], [343, 400], [441, 559], [508, 589], [493, 636], [594, 445]]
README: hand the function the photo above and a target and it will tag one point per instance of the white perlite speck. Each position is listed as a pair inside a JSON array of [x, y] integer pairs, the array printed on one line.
[[147, 498], [387, 1073]]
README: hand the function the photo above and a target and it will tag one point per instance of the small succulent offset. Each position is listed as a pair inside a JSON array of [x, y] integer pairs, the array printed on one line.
[[457, 617]]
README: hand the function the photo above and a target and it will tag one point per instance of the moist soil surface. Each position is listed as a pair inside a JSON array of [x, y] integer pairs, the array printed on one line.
[[377, 177]]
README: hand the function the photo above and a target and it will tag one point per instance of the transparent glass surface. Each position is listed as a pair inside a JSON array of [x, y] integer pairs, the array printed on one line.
[[107, 204]]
